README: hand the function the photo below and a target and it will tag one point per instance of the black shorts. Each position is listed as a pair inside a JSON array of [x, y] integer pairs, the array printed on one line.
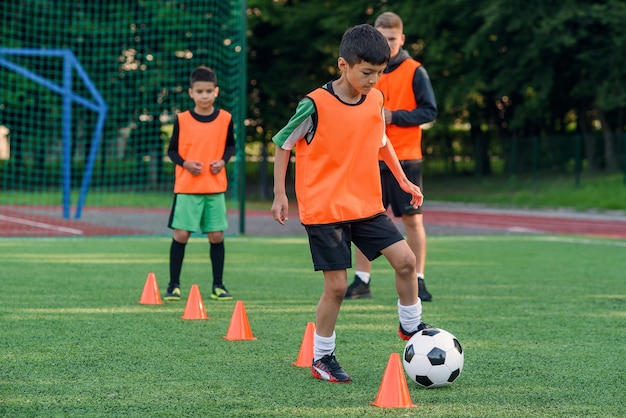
[[330, 243], [393, 194]]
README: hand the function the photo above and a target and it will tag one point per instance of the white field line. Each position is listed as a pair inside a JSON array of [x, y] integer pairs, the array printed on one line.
[[41, 225]]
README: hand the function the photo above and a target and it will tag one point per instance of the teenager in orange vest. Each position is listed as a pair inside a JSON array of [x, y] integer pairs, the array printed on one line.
[[338, 131], [202, 143], [409, 103]]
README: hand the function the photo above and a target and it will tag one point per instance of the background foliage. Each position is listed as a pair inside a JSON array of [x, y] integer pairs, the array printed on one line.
[[521, 85], [139, 55], [499, 68]]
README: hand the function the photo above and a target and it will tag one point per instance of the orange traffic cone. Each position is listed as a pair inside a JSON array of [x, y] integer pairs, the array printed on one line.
[[393, 391], [151, 295], [305, 356], [195, 307], [239, 328]]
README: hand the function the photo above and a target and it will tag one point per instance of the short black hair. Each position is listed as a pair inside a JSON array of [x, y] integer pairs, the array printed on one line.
[[364, 43], [202, 73]]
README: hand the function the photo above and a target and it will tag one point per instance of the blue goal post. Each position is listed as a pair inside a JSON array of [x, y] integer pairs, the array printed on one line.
[[96, 103]]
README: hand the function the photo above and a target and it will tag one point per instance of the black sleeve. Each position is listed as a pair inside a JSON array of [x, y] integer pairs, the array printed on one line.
[[229, 150], [172, 150], [426, 110]]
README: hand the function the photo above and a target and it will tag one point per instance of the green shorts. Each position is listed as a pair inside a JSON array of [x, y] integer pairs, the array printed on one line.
[[206, 212]]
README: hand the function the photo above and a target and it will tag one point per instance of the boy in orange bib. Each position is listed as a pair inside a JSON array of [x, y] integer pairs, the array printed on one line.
[[202, 142], [338, 131]]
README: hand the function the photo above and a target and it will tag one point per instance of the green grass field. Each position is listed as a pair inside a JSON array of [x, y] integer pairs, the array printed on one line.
[[605, 192], [542, 320]]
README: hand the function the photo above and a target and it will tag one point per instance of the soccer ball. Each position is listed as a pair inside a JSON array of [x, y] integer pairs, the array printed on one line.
[[433, 358]]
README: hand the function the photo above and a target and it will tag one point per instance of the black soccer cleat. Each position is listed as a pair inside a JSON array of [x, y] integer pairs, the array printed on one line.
[[423, 294], [220, 293], [329, 370], [172, 294], [358, 289], [406, 336]]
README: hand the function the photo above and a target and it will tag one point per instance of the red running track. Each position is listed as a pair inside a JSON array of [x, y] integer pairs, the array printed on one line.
[[19, 222], [29, 221], [614, 227]]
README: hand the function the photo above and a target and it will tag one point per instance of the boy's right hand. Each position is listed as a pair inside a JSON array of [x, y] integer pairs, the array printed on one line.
[[280, 209], [194, 167]]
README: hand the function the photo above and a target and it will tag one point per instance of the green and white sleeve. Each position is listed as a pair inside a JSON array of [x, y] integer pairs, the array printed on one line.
[[300, 126]]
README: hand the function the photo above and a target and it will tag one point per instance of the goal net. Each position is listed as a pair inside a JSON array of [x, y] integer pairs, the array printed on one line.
[[88, 95]]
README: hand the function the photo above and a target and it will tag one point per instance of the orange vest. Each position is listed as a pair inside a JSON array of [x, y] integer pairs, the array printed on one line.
[[205, 142], [337, 175], [398, 91]]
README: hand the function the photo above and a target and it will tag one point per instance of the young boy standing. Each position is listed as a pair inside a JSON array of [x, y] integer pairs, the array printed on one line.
[[338, 131], [202, 143]]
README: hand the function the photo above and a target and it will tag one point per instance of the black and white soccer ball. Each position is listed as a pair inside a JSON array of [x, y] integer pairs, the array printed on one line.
[[433, 358]]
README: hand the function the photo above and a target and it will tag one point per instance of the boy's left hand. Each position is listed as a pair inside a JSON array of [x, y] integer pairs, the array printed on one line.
[[417, 198], [280, 208], [216, 166]]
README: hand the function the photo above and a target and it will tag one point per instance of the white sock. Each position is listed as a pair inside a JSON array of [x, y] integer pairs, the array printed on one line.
[[410, 316], [363, 275], [420, 276], [323, 346]]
